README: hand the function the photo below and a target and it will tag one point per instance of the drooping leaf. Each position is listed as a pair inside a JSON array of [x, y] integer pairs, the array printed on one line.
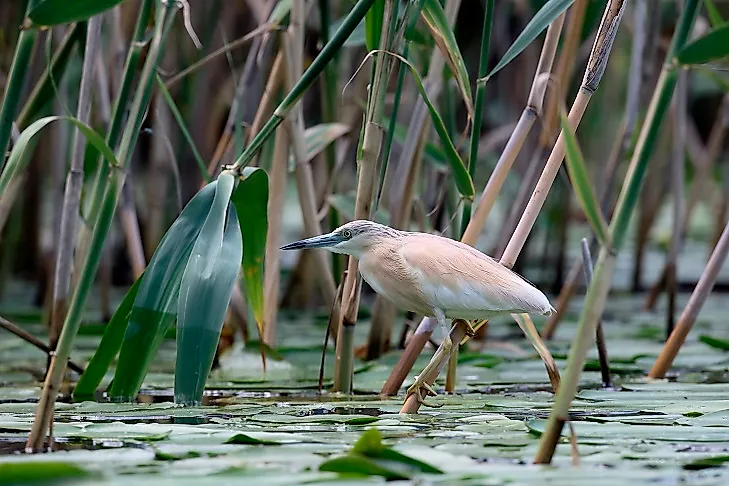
[[108, 348], [712, 46], [581, 182], [460, 172], [373, 24], [155, 307], [20, 155], [205, 291], [541, 20], [54, 12], [250, 199], [437, 22], [318, 137]]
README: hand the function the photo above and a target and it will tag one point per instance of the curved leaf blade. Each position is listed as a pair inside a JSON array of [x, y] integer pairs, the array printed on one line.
[[250, 199], [108, 348], [437, 22], [460, 172], [712, 46], [205, 291], [18, 161], [54, 12], [581, 182], [541, 20], [155, 307]]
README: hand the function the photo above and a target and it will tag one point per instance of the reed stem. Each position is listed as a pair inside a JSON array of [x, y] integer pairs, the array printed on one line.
[[353, 19], [74, 182], [488, 197], [595, 68], [600, 284], [602, 353], [366, 191], [14, 86], [44, 411], [696, 301]]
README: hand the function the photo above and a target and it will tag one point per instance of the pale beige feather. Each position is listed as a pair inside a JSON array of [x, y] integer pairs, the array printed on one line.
[[428, 271]]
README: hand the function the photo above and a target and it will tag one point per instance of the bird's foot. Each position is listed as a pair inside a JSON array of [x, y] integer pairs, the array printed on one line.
[[470, 331], [417, 388]]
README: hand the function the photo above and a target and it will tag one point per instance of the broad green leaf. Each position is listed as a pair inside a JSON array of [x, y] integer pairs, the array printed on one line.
[[205, 291], [712, 46], [108, 348], [20, 155], [545, 16], [318, 137], [250, 199], [581, 182], [155, 307], [714, 16], [54, 12], [460, 172], [41, 472], [373, 25], [436, 20]]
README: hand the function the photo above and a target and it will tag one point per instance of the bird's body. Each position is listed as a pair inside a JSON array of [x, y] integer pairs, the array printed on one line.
[[421, 272], [431, 275]]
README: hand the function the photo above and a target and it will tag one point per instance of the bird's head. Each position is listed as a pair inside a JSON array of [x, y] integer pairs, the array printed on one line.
[[353, 238]]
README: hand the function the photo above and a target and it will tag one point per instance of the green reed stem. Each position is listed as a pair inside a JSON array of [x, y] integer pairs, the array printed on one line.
[[329, 114], [117, 122], [483, 70], [16, 79], [112, 190], [600, 285], [401, 70]]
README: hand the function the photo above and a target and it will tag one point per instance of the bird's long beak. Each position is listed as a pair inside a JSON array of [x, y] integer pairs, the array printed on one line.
[[321, 241]]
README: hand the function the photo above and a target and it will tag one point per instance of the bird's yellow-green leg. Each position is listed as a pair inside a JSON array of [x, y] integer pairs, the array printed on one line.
[[441, 355]]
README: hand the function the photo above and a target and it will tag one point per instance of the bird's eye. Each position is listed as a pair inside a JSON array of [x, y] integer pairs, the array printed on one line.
[[347, 234]]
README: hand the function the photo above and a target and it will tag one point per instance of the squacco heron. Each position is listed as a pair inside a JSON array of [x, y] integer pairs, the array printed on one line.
[[433, 276]]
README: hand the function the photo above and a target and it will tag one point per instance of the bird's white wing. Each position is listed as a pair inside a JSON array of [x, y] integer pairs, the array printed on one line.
[[457, 277]]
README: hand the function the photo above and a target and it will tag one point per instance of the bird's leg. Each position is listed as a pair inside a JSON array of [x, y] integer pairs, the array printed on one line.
[[442, 353]]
